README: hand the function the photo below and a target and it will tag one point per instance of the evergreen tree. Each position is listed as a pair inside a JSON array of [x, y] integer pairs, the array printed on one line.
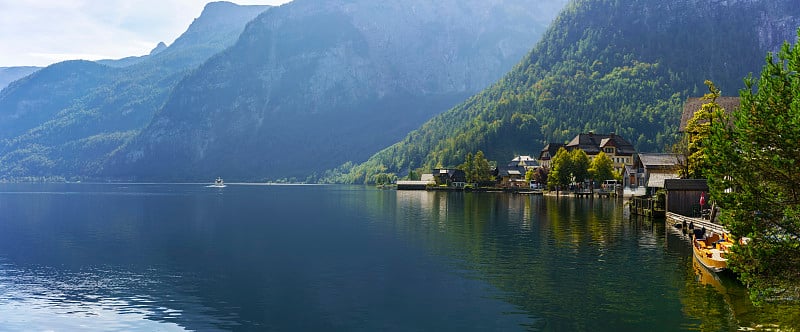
[[698, 129], [754, 175]]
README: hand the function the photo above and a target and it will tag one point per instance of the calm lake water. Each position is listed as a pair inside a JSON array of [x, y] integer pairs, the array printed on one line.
[[152, 257]]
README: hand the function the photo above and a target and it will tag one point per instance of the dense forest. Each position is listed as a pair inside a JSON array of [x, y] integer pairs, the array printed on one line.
[[604, 66]]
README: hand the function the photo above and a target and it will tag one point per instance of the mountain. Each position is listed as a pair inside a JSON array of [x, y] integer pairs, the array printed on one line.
[[312, 84], [132, 60], [604, 66], [64, 120], [11, 74]]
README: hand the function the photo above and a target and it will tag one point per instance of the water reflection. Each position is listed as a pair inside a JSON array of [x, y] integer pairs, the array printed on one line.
[[246, 258], [569, 263], [162, 257], [579, 264]]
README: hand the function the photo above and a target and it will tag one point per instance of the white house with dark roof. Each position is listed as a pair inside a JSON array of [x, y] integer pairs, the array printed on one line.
[[527, 162]]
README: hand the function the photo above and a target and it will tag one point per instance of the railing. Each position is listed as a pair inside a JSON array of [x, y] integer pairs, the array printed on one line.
[[697, 222]]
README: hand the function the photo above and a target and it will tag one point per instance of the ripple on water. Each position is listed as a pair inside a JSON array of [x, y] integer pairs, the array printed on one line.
[[48, 299]]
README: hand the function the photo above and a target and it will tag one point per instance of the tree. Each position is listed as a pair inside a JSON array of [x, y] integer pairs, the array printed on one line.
[[541, 175], [580, 165], [477, 168], [469, 168], [698, 129], [561, 171], [602, 168], [754, 175], [483, 170]]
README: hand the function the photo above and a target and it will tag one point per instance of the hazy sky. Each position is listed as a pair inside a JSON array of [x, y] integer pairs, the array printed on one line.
[[42, 32]]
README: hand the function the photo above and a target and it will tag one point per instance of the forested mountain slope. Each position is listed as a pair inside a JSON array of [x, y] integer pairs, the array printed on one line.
[[65, 119], [604, 66], [11, 74], [312, 84]]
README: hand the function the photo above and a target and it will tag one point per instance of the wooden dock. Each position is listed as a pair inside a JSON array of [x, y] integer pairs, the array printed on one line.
[[593, 193], [674, 219], [648, 207]]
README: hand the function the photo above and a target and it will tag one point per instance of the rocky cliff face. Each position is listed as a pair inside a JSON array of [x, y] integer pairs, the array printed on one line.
[[313, 84]]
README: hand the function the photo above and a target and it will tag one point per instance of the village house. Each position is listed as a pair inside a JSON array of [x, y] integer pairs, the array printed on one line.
[[451, 177], [548, 153], [512, 175], [526, 162], [651, 169], [421, 184], [614, 146], [693, 105]]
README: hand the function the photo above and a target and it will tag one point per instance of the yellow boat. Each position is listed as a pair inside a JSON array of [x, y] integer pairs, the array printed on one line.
[[711, 251]]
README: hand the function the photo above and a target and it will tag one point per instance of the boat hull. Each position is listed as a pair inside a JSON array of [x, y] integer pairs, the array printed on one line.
[[710, 254]]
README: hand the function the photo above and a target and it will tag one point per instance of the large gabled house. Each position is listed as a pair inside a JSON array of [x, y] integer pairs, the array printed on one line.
[[614, 146]]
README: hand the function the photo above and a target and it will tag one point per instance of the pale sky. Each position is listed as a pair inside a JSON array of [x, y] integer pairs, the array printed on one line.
[[42, 32]]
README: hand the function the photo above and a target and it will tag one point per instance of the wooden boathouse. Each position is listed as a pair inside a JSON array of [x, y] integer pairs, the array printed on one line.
[[683, 196]]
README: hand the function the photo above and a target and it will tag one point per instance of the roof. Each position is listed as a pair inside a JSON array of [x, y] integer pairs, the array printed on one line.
[[591, 143], [412, 182], [692, 105], [455, 175], [656, 179], [629, 170], [427, 177], [660, 160], [550, 150], [686, 184], [523, 158], [510, 171], [524, 162]]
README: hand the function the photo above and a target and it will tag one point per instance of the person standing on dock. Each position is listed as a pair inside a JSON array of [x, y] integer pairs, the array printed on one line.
[[703, 212], [702, 200]]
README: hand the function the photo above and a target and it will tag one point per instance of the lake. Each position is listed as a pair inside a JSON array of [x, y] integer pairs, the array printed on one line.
[[173, 257]]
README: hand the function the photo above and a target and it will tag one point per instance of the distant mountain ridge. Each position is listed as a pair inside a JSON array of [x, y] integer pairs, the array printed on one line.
[[64, 120], [604, 66], [11, 74], [312, 84]]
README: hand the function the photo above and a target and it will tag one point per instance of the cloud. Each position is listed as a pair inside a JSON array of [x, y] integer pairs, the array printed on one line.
[[41, 32]]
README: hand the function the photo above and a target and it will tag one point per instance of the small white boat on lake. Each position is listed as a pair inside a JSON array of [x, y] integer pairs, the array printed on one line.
[[218, 183]]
